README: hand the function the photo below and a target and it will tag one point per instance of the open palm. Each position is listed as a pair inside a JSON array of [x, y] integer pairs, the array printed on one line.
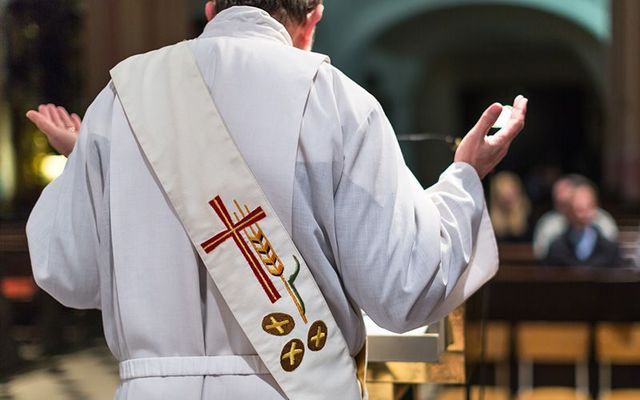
[[484, 151], [60, 127]]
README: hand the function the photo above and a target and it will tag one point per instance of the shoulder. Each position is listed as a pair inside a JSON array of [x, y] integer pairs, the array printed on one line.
[[607, 224], [604, 215], [551, 221], [347, 90], [604, 218], [98, 116], [353, 103]]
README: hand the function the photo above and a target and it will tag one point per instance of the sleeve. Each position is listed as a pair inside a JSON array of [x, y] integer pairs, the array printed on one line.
[[607, 225], [408, 256], [67, 225], [541, 239], [549, 227]]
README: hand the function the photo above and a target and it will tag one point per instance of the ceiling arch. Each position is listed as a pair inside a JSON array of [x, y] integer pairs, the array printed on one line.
[[355, 23]]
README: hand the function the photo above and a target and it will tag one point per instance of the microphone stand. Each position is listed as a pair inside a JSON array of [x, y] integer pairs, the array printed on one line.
[[452, 141]]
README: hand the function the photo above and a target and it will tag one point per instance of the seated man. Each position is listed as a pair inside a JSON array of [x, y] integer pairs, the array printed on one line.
[[583, 243], [553, 223]]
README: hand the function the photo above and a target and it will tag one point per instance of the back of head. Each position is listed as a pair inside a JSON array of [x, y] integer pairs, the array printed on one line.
[[509, 205], [507, 191], [285, 11]]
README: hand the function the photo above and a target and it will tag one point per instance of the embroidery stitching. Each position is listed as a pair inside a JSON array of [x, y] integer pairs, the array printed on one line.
[[317, 336], [278, 324], [233, 231], [292, 280], [271, 260], [289, 359]]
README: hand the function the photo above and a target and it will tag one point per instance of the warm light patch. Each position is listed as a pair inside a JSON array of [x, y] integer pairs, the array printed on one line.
[[52, 166]]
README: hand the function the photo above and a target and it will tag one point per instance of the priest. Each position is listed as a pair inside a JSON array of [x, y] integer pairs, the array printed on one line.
[[232, 203]]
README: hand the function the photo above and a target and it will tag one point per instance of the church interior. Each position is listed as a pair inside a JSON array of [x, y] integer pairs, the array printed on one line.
[[540, 329]]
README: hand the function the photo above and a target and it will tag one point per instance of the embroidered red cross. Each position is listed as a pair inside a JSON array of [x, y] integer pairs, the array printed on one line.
[[234, 231]]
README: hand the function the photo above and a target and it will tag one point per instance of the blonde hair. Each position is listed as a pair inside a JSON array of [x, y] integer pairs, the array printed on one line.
[[508, 219]]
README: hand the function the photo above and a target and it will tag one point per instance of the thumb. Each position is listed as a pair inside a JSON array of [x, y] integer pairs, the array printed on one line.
[[486, 121]]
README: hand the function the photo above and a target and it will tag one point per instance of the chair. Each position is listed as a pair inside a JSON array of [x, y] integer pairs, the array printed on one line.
[[616, 344], [497, 348], [477, 393], [553, 393], [552, 343]]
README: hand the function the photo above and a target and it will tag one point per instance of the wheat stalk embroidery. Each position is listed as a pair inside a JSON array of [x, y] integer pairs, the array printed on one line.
[[271, 260]]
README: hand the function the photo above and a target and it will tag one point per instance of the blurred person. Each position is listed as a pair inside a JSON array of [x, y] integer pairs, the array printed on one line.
[[555, 222], [509, 207], [582, 243], [116, 230]]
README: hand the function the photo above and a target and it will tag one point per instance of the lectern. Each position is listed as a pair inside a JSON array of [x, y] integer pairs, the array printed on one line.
[[431, 355]]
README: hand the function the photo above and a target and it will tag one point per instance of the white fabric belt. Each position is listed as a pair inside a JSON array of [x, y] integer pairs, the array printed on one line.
[[191, 366]]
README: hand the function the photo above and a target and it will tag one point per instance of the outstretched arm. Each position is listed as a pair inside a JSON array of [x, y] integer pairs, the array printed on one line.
[[60, 128], [68, 229], [407, 255]]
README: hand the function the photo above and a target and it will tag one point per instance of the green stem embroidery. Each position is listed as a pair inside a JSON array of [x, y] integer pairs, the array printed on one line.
[[292, 279]]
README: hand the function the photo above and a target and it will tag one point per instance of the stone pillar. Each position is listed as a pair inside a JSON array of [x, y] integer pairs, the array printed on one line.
[[116, 29], [622, 151]]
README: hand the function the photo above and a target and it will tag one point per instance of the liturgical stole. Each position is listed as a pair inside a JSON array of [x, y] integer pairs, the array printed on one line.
[[242, 242]]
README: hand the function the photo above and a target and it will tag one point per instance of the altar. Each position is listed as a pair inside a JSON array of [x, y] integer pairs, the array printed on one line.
[[399, 362]]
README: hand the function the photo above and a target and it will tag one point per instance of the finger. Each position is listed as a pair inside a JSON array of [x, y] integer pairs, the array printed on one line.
[[515, 124], [44, 110], [65, 118], [55, 118], [486, 121], [42, 121], [77, 122], [33, 115]]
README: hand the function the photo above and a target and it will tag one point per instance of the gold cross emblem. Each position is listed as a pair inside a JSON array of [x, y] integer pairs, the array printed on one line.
[[277, 325], [292, 354], [317, 336]]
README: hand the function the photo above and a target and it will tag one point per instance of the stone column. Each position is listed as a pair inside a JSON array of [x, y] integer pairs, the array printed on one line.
[[622, 151], [116, 29]]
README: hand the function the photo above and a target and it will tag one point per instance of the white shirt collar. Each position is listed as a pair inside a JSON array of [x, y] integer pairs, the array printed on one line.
[[246, 22]]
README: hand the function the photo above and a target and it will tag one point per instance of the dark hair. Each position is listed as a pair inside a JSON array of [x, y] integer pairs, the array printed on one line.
[[283, 10], [581, 181]]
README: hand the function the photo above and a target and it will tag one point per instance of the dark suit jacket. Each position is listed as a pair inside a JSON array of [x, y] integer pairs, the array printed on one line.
[[562, 253]]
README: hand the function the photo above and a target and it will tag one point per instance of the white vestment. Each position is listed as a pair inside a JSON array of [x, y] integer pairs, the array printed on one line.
[[104, 236]]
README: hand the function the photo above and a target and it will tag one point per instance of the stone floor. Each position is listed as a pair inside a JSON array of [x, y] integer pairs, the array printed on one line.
[[90, 374]]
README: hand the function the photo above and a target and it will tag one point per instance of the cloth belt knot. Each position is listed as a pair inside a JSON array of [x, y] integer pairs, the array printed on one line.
[[192, 366]]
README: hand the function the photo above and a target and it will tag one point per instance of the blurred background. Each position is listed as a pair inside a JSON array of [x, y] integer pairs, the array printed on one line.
[[434, 65]]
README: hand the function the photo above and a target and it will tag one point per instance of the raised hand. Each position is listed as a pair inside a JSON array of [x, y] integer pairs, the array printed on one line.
[[485, 152], [60, 128]]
